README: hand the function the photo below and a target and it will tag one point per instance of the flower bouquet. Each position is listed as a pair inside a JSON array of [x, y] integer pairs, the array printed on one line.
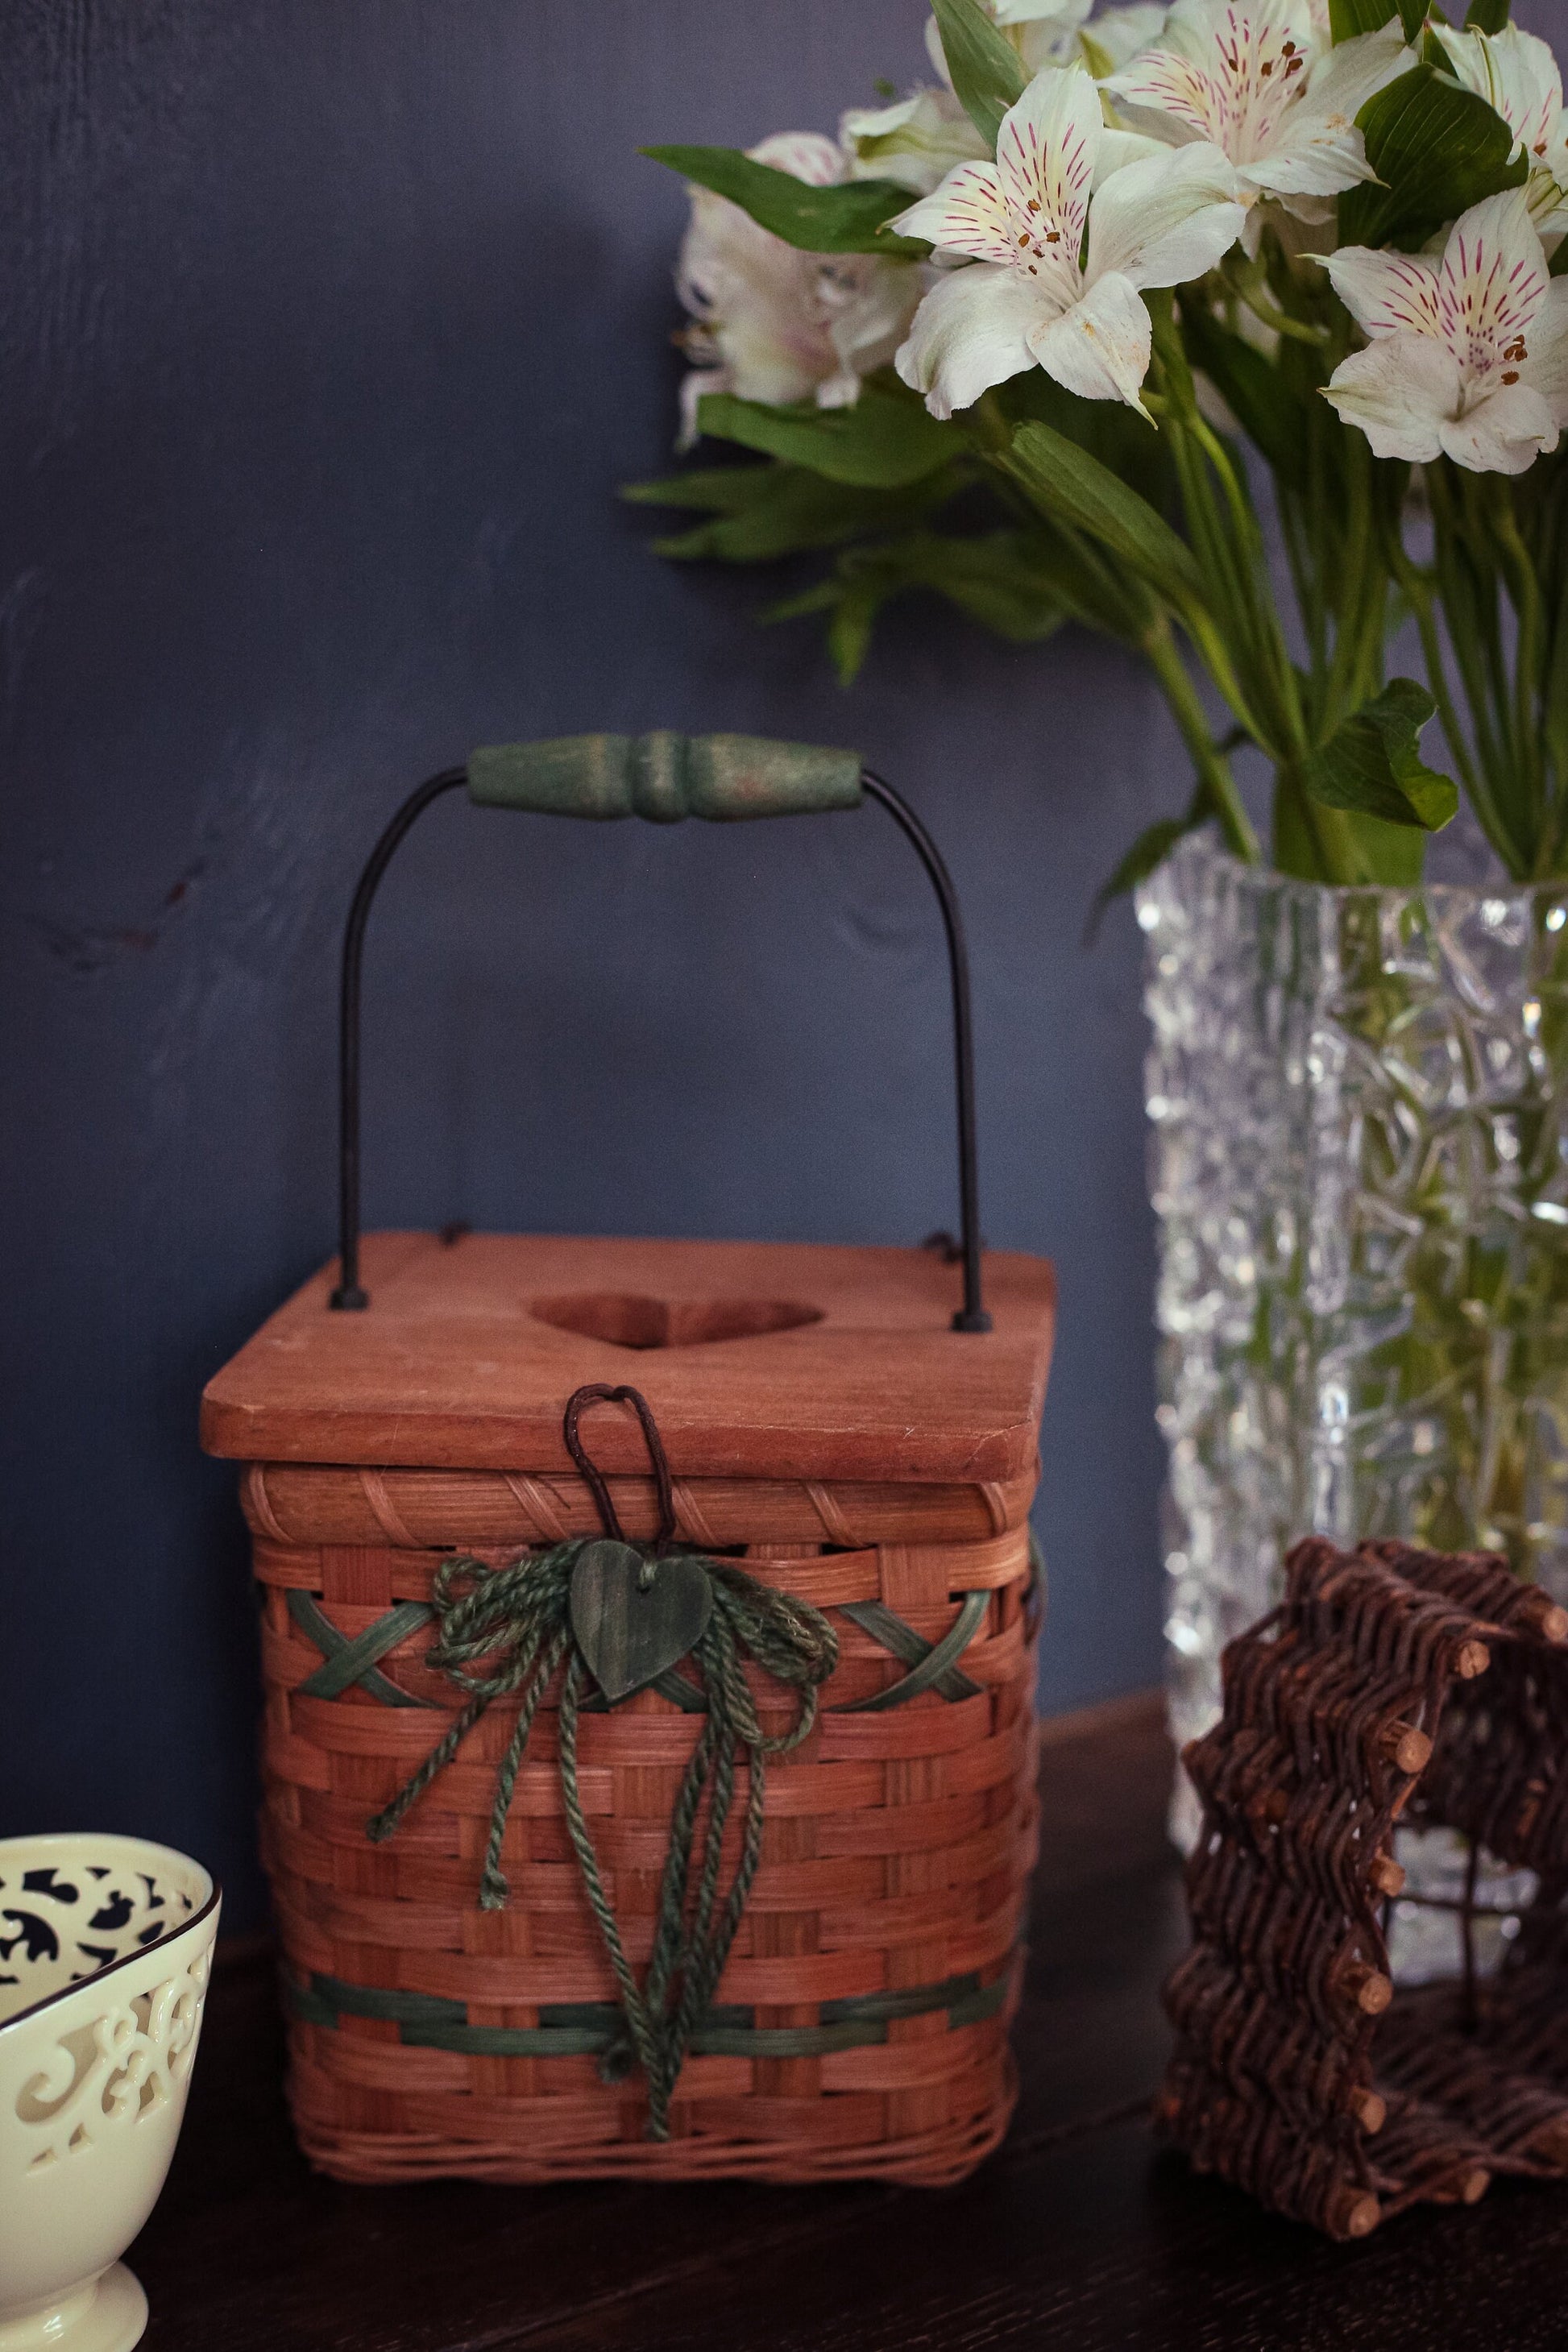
[[1044, 335]]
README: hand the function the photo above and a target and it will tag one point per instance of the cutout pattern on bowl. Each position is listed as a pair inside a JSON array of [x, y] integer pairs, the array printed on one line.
[[626, 1319], [125, 2066], [60, 1922]]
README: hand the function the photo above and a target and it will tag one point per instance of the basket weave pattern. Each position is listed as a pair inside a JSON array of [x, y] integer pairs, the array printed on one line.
[[1391, 1684], [860, 2027]]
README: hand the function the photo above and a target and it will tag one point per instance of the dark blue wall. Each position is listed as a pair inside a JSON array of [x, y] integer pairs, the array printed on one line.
[[331, 326]]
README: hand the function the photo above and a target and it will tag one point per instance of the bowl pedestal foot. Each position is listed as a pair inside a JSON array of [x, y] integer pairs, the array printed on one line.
[[108, 2316]]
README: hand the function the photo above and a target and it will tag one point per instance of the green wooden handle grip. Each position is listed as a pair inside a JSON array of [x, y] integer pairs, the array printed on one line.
[[665, 777]]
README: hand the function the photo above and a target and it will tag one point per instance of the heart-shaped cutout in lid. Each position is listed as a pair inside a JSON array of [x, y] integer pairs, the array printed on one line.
[[626, 1319]]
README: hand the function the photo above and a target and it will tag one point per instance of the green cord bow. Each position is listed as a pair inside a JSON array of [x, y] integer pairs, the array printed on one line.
[[510, 1630]]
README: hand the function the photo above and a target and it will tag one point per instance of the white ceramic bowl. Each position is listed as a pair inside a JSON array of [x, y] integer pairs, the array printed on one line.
[[105, 1949]]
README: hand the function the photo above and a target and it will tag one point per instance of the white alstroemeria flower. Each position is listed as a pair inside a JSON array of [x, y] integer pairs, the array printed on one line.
[[1517, 74], [1044, 32], [1060, 33], [1064, 32], [775, 324], [1034, 294], [1116, 36], [919, 141], [1468, 353], [915, 143], [1254, 79]]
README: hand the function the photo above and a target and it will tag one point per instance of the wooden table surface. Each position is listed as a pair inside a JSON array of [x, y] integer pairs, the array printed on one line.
[[1078, 2234]]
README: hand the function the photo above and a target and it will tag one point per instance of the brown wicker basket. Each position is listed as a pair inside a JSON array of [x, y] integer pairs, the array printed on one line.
[[828, 1427], [881, 1944], [1392, 1683]]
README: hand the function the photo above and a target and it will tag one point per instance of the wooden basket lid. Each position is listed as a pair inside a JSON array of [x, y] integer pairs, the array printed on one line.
[[766, 1361]]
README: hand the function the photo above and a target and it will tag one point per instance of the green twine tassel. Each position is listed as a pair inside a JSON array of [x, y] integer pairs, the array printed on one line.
[[508, 1630]]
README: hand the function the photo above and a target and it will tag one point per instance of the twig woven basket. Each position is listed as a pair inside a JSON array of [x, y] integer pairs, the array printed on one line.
[[1391, 1685], [831, 1434]]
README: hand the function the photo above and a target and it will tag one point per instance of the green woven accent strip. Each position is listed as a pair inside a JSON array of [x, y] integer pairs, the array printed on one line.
[[376, 2000], [982, 2002], [595, 2015], [671, 1684], [588, 2029], [348, 1663], [785, 2040], [931, 1665], [514, 2041], [355, 1661], [907, 2000], [312, 2008]]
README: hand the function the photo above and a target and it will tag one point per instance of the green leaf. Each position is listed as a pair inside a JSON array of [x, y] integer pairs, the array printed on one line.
[[1349, 17], [1108, 429], [881, 442], [1076, 488], [1438, 149], [987, 72], [1102, 594], [1558, 265], [1372, 763], [847, 219], [715, 490], [1001, 579], [849, 628], [820, 597], [1390, 856], [1487, 16], [792, 510], [852, 602]]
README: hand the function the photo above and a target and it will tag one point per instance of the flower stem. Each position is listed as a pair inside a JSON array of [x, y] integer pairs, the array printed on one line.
[[1461, 594], [1187, 708], [1248, 281], [1524, 590]]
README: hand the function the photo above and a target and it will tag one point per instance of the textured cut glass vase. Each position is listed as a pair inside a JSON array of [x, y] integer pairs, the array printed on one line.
[[1358, 1165]]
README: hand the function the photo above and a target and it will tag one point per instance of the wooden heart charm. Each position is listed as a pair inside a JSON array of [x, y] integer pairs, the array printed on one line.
[[629, 1630]]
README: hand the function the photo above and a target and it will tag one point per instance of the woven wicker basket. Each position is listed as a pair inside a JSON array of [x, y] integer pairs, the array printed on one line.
[[828, 1427], [1391, 1685], [867, 1999]]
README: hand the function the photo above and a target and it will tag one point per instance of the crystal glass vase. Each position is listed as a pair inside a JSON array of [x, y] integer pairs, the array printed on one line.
[[1358, 1164]]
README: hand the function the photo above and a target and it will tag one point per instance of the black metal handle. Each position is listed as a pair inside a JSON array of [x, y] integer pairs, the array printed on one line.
[[350, 1295]]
